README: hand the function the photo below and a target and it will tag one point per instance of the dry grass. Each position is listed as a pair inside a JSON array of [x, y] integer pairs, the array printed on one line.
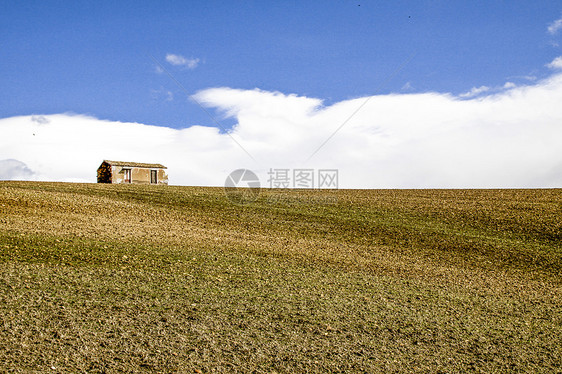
[[105, 278]]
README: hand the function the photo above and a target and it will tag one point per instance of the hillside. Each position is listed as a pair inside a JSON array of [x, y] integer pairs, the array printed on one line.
[[105, 278]]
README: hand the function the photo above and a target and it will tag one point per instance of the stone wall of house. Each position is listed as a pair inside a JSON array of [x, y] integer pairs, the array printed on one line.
[[138, 175]]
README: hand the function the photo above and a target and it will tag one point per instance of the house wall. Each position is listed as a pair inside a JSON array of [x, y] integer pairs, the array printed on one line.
[[104, 173], [138, 175], [162, 176]]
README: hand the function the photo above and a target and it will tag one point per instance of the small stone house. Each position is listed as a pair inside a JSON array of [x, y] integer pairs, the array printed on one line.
[[131, 172]]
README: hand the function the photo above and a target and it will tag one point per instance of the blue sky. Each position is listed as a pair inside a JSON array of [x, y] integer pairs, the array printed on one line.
[[93, 58], [393, 94]]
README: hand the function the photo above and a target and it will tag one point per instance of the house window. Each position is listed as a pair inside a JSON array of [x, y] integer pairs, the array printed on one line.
[[154, 176], [127, 175]]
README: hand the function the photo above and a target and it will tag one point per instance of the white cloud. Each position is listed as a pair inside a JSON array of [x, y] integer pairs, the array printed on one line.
[[556, 63], [478, 91], [555, 26], [177, 60], [509, 85], [39, 119], [11, 169], [475, 91], [507, 139]]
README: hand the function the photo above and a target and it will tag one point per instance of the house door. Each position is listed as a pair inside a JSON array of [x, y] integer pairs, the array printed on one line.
[[127, 175], [154, 176]]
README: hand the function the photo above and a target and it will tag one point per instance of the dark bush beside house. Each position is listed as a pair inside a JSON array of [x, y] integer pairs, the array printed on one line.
[[132, 172]]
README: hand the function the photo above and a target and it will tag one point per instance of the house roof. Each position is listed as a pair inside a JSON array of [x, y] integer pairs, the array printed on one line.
[[135, 164]]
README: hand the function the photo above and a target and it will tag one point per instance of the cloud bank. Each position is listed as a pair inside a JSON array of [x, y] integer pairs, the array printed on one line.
[[15, 170], [555, 26], [177, 60], [510, 138], [556, 63], [475, 91]]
